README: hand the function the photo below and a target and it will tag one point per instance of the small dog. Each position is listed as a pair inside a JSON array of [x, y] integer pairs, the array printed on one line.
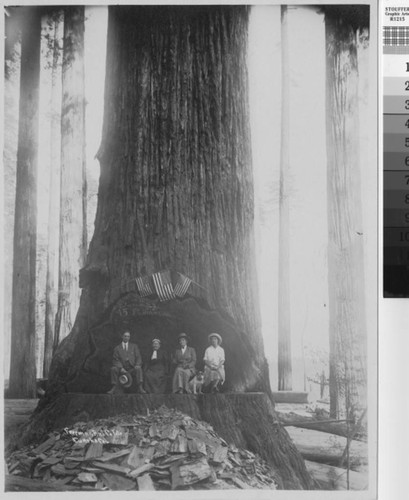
[[195, 385]]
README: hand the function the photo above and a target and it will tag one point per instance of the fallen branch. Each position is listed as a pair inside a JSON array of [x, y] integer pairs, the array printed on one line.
[[329, 426]]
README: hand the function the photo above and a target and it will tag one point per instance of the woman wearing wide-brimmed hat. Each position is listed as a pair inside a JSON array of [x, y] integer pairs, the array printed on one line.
[[185, 360], [156, 369], [214, 358]]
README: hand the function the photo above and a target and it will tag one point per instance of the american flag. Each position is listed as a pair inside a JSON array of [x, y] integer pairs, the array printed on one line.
[[163, 285], [182, 285], [143, 286]]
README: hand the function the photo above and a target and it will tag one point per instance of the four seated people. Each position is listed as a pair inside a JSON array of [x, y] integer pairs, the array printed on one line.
[[153, 375]]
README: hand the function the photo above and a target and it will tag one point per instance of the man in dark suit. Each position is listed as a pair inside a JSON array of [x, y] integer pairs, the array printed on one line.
[[126, 358]]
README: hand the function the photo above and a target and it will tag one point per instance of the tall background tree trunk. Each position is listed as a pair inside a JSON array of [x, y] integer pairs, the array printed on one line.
[[56, 19], [284, 312], [345, 248], [23, 366], [11, 112], [73, 227]]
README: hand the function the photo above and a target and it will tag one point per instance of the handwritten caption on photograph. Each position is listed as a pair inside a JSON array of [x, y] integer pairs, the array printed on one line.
[[103, 436]]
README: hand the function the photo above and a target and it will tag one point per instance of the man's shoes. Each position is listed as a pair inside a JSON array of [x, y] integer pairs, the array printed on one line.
[[112, 390], [141, 390]]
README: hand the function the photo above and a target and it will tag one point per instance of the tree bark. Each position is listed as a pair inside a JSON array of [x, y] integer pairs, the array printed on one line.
[[284, 313], [345, 248], [53, 207], [23, 364], [73, 227]]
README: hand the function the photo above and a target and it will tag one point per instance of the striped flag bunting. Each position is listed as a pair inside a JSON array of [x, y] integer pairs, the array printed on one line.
[[143, 285], [182, 285], [163, 285]]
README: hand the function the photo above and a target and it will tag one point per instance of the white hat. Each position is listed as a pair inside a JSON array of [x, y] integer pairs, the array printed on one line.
[[217, 336]]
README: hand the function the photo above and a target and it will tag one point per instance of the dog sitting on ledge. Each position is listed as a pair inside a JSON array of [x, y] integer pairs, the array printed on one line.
[[195, 385]]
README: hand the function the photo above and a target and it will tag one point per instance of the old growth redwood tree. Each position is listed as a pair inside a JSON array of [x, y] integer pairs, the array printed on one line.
[[348, 335], [23, 366], [175, 193], [73, 225]]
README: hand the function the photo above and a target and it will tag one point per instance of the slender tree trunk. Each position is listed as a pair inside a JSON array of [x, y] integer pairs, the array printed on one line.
[[345, 248], [54, 193], [73, 227], [23, 361], [284, 312], [11, 111]]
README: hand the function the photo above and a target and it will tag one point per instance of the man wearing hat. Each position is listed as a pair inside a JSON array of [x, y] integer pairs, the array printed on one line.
[[127, 362], [156, 369], [185, 360], [214, 375]]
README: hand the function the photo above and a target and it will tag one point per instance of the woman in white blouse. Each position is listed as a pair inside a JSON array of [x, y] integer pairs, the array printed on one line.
[[214, 375]]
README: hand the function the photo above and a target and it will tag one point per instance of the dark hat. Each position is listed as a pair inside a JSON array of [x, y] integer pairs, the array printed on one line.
[[125, 380], [217, 336], [183, 336]]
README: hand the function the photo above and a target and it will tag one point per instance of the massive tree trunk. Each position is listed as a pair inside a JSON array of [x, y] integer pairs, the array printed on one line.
[[23, 364], [73, 227], [53, 208], [176, 194], [345, 248], [284, 313]]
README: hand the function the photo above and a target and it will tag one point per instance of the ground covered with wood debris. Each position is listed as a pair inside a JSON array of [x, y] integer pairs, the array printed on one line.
[[164, 450]]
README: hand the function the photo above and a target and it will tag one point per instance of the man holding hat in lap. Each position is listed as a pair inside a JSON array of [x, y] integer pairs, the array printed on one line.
[[214, 375], [127, 363]]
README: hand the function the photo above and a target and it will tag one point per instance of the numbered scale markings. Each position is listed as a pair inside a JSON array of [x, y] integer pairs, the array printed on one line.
[[396, 175]]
